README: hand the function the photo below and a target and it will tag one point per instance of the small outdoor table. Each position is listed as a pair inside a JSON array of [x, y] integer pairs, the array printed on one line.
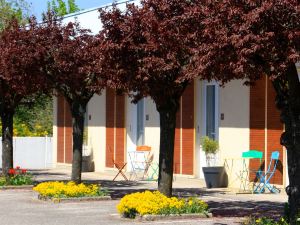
[[245, 172]]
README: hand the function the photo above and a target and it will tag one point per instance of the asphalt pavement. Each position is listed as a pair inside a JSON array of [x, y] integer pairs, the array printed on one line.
[[21, 207]]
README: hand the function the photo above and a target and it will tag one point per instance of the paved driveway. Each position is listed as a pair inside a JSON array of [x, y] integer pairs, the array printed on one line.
[[19, 207], [22, 208]]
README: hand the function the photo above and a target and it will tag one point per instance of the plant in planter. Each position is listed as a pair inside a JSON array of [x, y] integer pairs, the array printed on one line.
[[210, 147], [215, 176]]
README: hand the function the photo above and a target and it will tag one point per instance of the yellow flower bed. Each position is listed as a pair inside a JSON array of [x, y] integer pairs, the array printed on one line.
[[66, 190], [142, 203]]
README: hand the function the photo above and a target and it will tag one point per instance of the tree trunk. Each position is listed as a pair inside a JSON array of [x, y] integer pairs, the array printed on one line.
[[7, 140], [78, 110], [288, 101], [167, 114]]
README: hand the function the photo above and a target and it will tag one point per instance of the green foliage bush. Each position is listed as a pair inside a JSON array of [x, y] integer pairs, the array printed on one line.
[[34, 120], [265, 221], [16, 177], [209, 145]]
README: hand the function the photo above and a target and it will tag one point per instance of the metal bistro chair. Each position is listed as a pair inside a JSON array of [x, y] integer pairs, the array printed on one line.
[[151, 169], [265, 177], [139, 161]]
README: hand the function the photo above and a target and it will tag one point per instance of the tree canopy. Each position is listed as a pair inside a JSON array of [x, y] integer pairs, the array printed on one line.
[[74, 70], [149, 51], [150, 48], [22, 57], [36, 119], [249, 39]]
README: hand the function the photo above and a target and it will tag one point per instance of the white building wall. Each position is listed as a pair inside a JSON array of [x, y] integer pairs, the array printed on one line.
[[54, 139], [131, 127], [234, 131], [199, 154], [233, 134], [97, 130], [152, 128]]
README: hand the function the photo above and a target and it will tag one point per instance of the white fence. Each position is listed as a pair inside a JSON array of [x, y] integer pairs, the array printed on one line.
[[31, 152]]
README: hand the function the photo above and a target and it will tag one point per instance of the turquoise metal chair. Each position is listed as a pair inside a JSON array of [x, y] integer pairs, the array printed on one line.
[[265, 177]]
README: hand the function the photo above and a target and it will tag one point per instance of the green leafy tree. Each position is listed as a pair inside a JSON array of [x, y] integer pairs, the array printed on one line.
[[72, 6], [61, 8], [18, 9], [34, 119]]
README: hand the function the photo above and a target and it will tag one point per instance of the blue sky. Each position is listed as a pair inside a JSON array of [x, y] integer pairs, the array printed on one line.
[[39, 6]]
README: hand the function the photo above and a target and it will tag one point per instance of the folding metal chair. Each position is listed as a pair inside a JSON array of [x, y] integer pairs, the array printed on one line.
[[265, 177], [118, 166], [120, 170], [139, 161]]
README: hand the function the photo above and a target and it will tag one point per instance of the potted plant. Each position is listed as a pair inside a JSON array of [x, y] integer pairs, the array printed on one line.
[[215, 176]]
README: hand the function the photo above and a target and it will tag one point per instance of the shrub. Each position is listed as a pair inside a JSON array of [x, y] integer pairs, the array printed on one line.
[[16, 176], [155, 203], [210, 146], [265, 221], [67, 190]]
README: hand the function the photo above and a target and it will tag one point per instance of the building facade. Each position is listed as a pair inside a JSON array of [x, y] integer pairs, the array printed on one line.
[[240, 117]]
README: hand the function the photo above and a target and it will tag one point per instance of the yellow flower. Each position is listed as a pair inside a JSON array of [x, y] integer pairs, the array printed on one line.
[[154, 203], [60, 189]]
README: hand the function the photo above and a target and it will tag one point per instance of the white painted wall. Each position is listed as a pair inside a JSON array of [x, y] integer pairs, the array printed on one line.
[[131, 127], [233, 135], [199, 154], [152, 129], [97, 130], [234, 132]]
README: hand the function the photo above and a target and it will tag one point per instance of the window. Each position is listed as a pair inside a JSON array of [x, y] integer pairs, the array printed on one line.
[[211, 111], [86, 128], [140, 123]]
